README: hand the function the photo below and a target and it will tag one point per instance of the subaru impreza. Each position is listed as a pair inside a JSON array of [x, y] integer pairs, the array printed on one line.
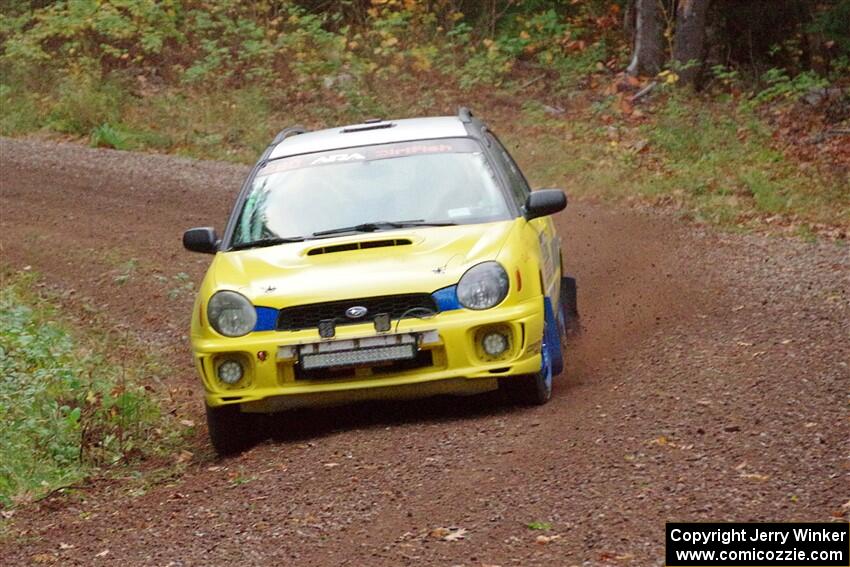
[[388, 259]]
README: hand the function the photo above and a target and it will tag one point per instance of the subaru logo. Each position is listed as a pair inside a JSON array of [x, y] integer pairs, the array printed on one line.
[[356, 312]]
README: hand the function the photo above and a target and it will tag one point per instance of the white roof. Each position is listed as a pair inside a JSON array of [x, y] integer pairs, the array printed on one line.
[[405, 130]]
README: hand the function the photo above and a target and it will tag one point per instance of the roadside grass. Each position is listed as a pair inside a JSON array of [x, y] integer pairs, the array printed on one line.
[[712, 160], [72, 404]]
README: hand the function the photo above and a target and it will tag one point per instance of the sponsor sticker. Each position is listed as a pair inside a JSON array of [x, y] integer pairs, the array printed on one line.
[[370, 153]]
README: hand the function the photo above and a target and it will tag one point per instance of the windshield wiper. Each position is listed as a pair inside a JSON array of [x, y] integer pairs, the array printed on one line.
[[381, 225], [271, 241]]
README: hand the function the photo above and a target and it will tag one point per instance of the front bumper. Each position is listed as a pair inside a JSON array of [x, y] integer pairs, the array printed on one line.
[[455, 361]]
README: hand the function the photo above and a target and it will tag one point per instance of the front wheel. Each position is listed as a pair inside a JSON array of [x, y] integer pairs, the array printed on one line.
[[230, 430], [531, 389]]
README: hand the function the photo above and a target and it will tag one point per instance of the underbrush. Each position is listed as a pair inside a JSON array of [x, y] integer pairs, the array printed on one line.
[[70, 404], [715, 160]]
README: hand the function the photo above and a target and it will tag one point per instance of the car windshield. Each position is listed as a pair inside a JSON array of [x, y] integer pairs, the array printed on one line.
[[447, 181]]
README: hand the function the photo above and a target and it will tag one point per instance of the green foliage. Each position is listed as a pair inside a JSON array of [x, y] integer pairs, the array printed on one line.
[[487, 66], [116, 33], [106, 136], [724, 163], [833, 24], [64, 407], [85, 101], [780, 85], [20, 112]]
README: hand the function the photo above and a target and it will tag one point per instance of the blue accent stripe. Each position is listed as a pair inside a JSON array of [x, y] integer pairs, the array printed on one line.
[[266, 319], [446, 299], [552, 338]]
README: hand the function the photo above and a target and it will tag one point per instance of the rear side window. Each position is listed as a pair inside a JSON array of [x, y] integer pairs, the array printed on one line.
[[519, 186]]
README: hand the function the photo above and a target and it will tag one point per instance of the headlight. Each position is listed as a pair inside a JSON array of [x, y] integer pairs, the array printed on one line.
[[231, 314], [483, 286]]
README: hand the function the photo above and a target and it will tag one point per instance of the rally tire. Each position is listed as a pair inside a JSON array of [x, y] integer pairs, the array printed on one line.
[[530, 389], [230, 430], [569, 307]]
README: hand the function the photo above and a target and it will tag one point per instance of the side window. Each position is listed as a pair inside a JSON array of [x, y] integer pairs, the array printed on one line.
[[519, 186]]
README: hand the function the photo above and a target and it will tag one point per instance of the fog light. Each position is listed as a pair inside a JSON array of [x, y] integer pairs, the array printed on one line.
[[494, 344], [230, 371]]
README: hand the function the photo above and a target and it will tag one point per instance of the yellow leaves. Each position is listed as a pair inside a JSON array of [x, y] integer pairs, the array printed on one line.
[[389, 42], [421, 62], [662, 440], [668, 77]]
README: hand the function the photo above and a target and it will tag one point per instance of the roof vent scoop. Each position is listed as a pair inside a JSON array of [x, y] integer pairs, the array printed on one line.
[[371, 124]]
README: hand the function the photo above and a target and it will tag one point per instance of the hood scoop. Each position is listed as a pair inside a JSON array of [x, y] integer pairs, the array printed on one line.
[[359, 246]]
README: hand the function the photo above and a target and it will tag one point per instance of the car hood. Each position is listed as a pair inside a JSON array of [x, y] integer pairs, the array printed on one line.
[[417, 260]]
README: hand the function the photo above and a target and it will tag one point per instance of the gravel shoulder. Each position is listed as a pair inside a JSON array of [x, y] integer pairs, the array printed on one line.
[[711, 384]]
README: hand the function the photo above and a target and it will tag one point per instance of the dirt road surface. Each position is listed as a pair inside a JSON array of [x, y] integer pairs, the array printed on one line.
[[711, 383]]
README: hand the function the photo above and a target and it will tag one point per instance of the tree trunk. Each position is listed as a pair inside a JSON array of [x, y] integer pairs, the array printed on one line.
[[689, 42], [648, 52]]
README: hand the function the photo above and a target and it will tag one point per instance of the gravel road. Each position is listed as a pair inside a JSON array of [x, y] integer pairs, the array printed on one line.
[[711, 384]]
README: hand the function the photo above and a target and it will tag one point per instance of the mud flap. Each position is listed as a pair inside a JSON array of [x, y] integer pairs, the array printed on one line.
[[552, 340], [568, 316]]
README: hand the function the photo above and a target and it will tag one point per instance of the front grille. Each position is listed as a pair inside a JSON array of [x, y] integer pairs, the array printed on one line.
[[407, 305]]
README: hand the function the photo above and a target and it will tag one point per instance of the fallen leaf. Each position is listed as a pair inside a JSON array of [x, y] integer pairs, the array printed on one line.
[[183, 457], [439, 533], [755, 476], [448, 534], [455, 535]]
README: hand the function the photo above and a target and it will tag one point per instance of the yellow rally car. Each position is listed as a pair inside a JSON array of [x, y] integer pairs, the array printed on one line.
[[389, 259]]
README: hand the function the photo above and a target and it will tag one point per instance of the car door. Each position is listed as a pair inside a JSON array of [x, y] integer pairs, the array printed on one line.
[[547, 237]]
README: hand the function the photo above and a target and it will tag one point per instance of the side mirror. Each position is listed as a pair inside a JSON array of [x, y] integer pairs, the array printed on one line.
[[544, 202], [203, 240]]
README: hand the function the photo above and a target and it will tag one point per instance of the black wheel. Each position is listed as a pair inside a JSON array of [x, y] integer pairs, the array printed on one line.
[[531, 389], [569, 304], [230, 430]]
